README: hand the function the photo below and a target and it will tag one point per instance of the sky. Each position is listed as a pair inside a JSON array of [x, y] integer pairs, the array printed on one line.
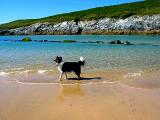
[[11, 10]]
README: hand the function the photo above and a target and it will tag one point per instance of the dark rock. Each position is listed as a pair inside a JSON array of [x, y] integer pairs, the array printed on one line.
[[94, 42], [99, 42], [45, 40], [5, 32], [54, 41], [120, 42], [26, 39], [116, 42], [68, 41], [127, 43], [40, 40]]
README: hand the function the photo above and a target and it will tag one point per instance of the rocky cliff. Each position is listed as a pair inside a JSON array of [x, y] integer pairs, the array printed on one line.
[[131, 25]]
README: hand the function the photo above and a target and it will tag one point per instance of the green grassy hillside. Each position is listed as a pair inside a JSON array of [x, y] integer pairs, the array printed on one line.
[[147, 7]]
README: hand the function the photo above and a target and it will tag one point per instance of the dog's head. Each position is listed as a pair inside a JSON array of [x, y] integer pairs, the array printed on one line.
[[58, 60]]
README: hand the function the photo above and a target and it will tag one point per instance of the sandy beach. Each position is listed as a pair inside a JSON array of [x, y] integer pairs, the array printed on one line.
[[96, 99]]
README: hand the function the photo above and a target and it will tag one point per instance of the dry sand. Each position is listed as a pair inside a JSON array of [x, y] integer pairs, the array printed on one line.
[[78, 100]]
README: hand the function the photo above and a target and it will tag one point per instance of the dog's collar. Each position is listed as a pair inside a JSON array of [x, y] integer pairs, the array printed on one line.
[[60, 64]]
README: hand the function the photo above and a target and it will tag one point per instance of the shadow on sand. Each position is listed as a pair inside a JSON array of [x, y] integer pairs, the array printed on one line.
[[84, 78]]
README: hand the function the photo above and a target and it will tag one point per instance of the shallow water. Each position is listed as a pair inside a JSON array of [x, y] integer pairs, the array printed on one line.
[[37, 57]]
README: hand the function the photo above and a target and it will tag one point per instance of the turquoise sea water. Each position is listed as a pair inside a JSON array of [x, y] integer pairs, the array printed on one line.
[[21, 56]]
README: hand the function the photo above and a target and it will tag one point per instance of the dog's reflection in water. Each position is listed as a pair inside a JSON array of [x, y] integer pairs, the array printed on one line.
[[70, 91]]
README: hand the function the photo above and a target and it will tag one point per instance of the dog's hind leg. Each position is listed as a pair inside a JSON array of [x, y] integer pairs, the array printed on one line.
[[78, 75], [65, 76]]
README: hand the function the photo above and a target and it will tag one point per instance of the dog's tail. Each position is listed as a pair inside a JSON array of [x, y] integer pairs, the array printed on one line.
[[82, 61]]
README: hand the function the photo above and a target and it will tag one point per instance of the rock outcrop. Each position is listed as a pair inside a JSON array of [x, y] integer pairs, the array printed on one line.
[[118, 42], [26, 39], [131, 25], [5, 32]]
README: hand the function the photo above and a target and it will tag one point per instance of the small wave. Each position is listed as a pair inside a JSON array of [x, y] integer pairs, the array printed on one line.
[[34, 83], [136, 74], [22, 71], [18, 69], [41, 71], [3, 73]]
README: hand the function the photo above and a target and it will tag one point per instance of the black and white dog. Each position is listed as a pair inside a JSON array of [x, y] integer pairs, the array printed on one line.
[[65, 67]]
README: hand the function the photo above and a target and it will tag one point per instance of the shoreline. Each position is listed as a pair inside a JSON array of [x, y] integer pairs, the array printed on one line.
[[139, 79], [92, 32], [146, 34]]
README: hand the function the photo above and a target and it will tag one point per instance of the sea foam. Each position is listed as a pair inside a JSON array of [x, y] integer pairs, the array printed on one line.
[[41, 71], [3, 73]]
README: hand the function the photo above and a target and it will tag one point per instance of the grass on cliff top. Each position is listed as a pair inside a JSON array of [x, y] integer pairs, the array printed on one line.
[[147, 7]]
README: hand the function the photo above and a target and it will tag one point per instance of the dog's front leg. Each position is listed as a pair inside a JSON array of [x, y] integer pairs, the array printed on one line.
[[60, 77], [65, 76]]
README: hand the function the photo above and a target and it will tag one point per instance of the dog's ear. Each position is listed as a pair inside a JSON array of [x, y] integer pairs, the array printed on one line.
[[54, 59], [60, 57]]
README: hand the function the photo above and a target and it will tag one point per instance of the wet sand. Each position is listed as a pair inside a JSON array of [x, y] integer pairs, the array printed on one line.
[[93, 98]]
